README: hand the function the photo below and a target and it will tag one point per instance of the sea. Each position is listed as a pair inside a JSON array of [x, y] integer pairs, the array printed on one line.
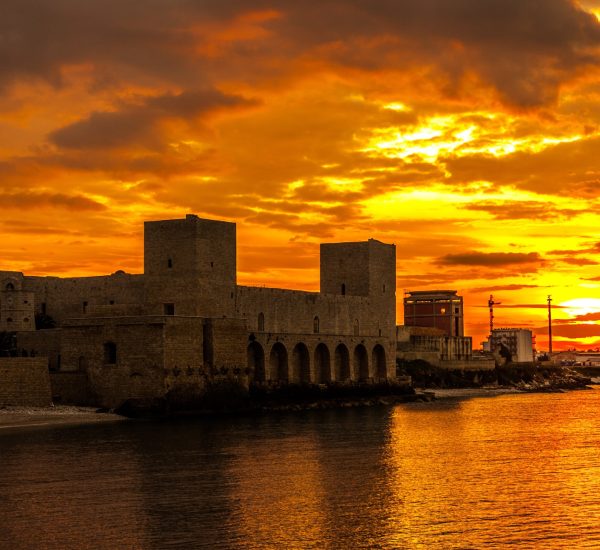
[[510, 471]]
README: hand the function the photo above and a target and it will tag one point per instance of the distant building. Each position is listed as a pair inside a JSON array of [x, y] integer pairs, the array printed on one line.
[[511, 345], [442, 309]]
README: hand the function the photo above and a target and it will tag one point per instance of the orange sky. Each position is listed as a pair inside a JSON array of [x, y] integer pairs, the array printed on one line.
[[466, 132]]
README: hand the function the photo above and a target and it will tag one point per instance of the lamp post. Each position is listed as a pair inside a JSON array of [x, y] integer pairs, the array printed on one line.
[[549, 324]]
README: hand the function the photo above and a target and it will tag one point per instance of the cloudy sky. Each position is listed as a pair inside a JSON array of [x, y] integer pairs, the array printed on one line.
[[465, 131]]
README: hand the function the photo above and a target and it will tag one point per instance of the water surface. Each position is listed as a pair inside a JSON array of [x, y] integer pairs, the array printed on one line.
[[515, 470]]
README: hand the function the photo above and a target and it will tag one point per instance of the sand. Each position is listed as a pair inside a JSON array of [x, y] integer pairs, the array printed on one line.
[[12, 417]]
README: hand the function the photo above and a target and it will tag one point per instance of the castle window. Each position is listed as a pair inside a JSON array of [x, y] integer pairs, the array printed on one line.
[[110, 353], [43, 307], [169, 263], [316, 325], [10, 286], [356, 327], [212, 264], [112, 302], [343, 289], [9, 319], [261, 322], [82, 364], [84, 307], [169, 309], [383, 288]]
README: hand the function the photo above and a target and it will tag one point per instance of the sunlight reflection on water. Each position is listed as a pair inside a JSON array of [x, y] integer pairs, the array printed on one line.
[[518, 470]]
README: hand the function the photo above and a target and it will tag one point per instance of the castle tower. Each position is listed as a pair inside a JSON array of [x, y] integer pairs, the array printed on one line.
[[190, 267], [363, 269], [16, 306]]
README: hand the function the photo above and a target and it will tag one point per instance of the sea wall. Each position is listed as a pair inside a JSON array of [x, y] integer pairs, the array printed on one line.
[[24, 381]]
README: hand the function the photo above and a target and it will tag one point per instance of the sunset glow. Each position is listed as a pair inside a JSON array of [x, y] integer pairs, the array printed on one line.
[[469, 136]]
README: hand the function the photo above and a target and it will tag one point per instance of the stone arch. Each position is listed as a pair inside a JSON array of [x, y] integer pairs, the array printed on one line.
[[278, 362], [361, 363], [261, 322], [300, 364], [256, 362], [378, 361], [322, 364], [10, 286], [342, 364]]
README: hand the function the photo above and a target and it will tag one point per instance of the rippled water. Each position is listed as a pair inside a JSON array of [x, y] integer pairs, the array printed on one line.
[[515, 470]]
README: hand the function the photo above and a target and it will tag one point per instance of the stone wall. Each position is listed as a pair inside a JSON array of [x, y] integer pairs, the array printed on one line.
[[46, 343], [24, 381], [71, 388], [74, 297], [295, 311]]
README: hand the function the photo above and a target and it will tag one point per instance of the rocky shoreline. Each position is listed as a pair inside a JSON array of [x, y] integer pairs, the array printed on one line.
[[518, 380]]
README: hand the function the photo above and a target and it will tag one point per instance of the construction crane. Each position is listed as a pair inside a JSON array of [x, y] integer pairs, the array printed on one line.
[[491, 305]]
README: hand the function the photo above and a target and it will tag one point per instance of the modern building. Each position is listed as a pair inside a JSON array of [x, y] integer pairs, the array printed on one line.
[[511, 345], [441, 309]]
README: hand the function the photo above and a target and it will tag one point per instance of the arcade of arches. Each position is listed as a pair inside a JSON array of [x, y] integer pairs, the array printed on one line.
[[322, 366]]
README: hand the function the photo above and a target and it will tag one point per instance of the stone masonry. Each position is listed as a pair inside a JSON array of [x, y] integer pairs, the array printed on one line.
[[185, 319]]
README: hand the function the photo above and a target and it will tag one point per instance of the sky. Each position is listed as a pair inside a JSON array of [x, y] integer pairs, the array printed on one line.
[[467, 132]]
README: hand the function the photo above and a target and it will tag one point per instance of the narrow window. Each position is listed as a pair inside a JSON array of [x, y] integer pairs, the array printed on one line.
[[43, 305], [110, 353], [169, 263], [384, 288], [169, 309], [343, 289], [84, 307], [212, 264], [356, 327], [316, 325], [10, 286], [261, 322]]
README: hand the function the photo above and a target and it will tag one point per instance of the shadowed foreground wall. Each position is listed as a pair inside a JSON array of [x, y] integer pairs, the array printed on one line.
[[24, 381]]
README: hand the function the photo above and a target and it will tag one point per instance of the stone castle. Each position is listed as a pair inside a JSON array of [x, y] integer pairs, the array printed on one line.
[[186, 320]]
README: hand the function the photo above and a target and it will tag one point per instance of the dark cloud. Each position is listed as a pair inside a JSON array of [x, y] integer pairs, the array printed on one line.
[[530, 210], [573, 330], [526, 50], [136, 123], [529, 306], [490, 259], [497, 288], [53, 200], [571, 169]]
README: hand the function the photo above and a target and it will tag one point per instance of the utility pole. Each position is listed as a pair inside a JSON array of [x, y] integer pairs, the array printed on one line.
[[549, 324], [491, 305]]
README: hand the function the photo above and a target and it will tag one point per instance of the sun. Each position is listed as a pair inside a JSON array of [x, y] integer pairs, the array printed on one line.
[[581, 306]]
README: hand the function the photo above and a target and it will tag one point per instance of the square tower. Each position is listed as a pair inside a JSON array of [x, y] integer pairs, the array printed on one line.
[[190, 266], [366, 269]]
